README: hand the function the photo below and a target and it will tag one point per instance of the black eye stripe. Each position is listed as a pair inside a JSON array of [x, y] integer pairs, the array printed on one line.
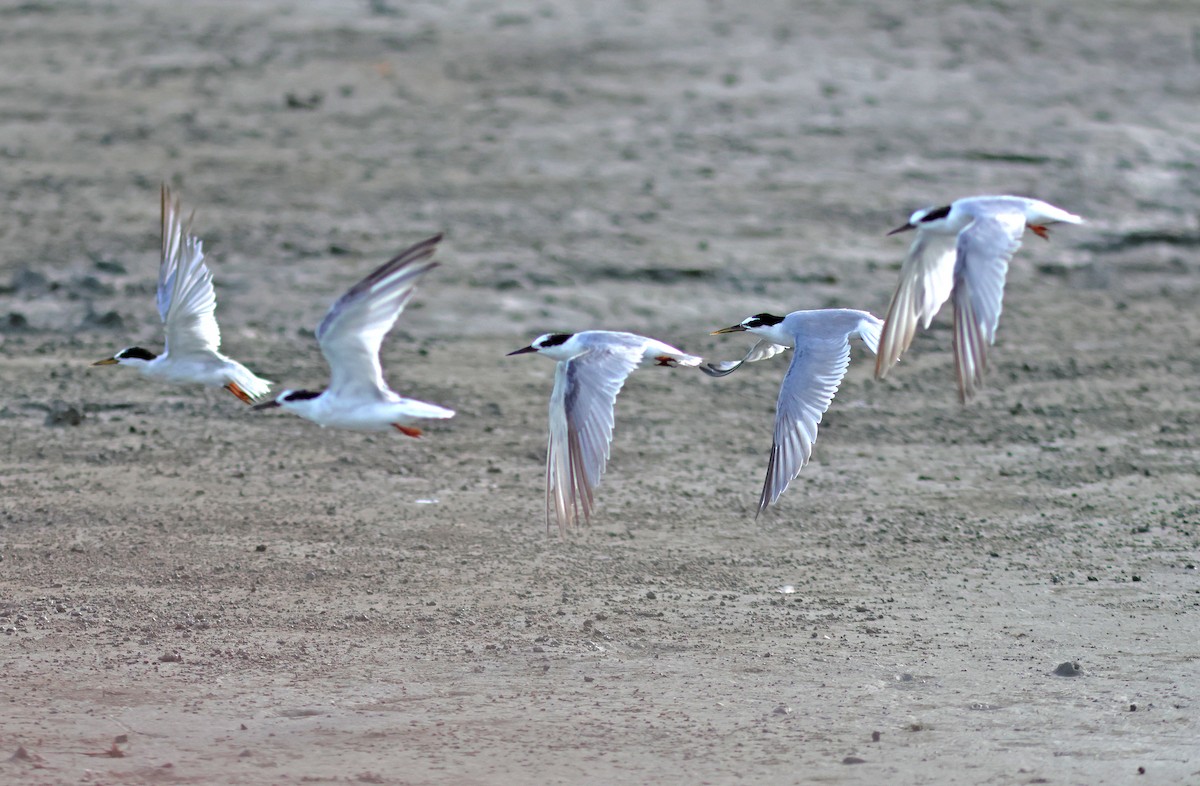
[[555, 339], [302, 395], [138, 353], [936, 213]]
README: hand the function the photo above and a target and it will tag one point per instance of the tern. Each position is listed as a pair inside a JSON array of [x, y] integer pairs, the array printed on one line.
[[820, 344], [350, 336], [592, 367], [986, 231], [186, 303]]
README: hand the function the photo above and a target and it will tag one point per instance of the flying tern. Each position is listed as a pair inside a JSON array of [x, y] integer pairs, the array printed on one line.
[[592, 367], [820, 344], [986, 231], [186, 303], [350, 336]]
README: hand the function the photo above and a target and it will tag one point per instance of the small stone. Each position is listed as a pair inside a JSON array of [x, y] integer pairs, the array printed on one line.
[[296, 101], [14, 322], [109, 266], [875, 736], [651, 595], [261, 547], [853, 760], [1068, 669], [170, 657], [63, 414]]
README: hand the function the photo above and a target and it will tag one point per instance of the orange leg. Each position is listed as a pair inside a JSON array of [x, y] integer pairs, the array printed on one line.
[[408, 431], [1040, 231], [665, 360], [233, 388]]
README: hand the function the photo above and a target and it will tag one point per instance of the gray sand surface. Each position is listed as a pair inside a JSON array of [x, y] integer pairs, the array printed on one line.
[[194, 593]]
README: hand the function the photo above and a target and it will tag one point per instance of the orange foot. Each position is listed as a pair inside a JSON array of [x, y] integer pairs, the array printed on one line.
[[408, 431], [1040, 231], [666, 360], [233, 388]]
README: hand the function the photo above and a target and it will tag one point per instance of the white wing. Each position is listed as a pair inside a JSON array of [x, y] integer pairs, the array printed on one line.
[[760, 351], [581, 426], [984, 250], [186, 301], [352, 331], [926, 279], [818, 366]]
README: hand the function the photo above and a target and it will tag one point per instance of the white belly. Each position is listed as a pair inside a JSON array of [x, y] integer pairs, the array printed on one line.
[[373, 415]]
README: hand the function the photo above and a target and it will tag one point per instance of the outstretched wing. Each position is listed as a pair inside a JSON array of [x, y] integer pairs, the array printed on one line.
[[760, 351], [984, 250], [818, 366], [186, 300], [581, 427], [926, 279], [352, 331]]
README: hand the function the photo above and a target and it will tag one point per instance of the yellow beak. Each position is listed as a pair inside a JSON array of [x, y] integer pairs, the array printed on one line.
[[106, 362], [730, 329]]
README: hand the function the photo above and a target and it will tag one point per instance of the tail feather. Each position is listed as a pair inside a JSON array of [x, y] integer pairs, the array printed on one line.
[[1050, 213], [423, 409], [673, 358], [255, 386]]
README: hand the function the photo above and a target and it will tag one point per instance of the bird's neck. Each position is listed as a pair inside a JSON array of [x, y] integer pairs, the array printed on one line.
[[955, 222], [562, 351], [309, 407], [776, 335]]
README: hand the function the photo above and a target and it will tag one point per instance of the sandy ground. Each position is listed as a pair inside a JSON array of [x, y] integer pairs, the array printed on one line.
[[193, 593]]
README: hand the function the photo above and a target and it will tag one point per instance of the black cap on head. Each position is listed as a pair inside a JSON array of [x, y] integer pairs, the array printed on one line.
[[138, 353], [541, 342], [762, 320], [936, 213], [554, 339], [300, 395]]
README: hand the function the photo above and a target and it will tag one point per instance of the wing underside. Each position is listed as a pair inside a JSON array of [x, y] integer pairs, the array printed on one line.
[[581, 428], [926, 279], [186, 300], [353, 330], [812, 380]]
